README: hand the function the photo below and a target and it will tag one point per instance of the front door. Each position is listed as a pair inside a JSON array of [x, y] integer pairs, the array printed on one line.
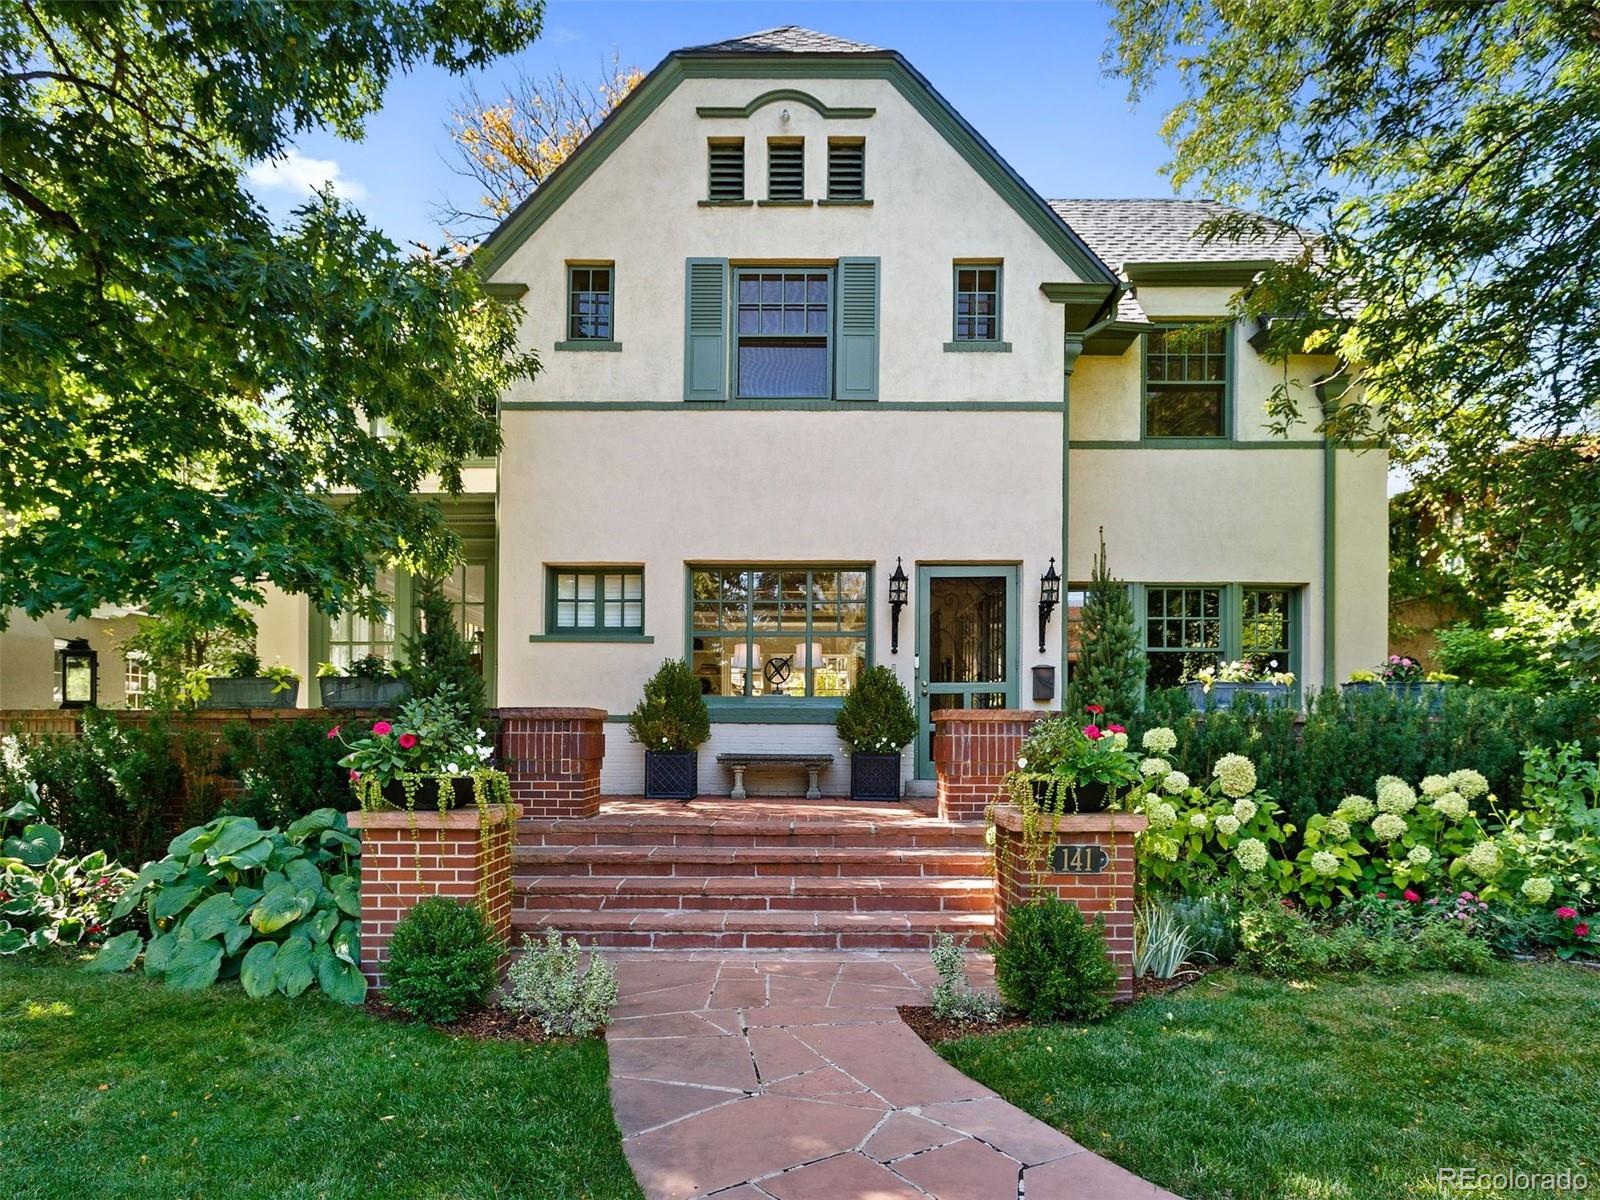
[[966, 644]]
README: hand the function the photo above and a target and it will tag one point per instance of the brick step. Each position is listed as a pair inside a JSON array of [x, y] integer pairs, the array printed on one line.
[[674, 929], [838, 862], [753, 893], [701, 833]]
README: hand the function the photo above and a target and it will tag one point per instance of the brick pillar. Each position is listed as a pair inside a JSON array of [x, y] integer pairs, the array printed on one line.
[[442, 858], [1107, 892], [972, 751], [553, 756]]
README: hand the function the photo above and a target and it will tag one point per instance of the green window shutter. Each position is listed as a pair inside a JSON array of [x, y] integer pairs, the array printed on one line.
[[705, 340], [855, 361]]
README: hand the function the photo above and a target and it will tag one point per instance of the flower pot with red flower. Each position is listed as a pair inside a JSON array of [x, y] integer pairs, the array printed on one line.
[[1068, 765], [430, 754]]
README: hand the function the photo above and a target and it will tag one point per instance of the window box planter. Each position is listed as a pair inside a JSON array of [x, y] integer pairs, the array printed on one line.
[[1431, 694], [671, 774], [874, 776], [456, 792], [1222, 695], [249, 693], [353, 692], [1088, 797]]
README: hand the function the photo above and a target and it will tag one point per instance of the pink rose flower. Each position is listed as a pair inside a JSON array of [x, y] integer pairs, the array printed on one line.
[[1092, 732], [381, 728], [1411, 896], [407, 740], [334, 732], [1565, 913]]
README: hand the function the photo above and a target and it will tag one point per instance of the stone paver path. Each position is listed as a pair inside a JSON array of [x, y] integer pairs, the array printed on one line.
[[793, 1078]]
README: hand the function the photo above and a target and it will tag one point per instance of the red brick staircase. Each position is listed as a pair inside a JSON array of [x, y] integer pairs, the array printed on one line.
[[753, 875]]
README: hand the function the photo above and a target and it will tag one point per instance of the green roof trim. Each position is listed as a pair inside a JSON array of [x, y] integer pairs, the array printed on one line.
[[777, 95], [1197, 274], [506, 291], [526, 218], [1084, 302]]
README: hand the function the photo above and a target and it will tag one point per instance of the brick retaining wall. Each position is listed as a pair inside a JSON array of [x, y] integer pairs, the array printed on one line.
[[972, 751], [553, 757]]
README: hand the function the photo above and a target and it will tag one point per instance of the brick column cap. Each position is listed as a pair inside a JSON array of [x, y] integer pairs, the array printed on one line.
[[552, 714], [431, 818], [985, 716], [1009, 816]]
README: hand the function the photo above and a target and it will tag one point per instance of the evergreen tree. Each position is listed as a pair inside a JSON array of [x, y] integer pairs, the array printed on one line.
[[437, 653], [1111, 664]]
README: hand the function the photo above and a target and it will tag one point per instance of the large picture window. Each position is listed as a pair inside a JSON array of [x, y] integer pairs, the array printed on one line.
[[774, 633], [783, 324], [1187, 628], [1186, 382]]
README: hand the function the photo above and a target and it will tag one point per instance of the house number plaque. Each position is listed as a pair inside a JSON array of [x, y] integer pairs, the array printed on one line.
[[1078, 859]]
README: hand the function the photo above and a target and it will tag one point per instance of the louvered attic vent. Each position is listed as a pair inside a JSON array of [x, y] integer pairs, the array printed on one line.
[[847, 170], [727, 170], [786, 170]]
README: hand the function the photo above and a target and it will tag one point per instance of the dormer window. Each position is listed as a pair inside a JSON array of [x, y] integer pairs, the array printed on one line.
[[847, 161], [786, 169], [726, 157]]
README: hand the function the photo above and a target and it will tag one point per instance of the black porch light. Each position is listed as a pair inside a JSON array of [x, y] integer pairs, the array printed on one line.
[[897, 601], [1049, 597], [80, 674]]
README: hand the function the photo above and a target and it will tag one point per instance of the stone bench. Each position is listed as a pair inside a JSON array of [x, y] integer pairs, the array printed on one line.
[[811, 764]]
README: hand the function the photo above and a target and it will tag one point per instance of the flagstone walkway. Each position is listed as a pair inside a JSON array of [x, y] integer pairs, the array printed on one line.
[[793, 1078]]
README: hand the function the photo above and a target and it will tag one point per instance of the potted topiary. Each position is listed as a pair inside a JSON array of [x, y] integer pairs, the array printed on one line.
[[1216, 687], [369, 682], [1064, 767], [877, 722], [432, 754], [249, 685], [670, 722]]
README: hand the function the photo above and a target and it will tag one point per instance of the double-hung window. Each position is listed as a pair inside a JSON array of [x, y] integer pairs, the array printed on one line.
[[595, 601], [1187, 628], [767, 634], [590, 291], [1186, 382], [352, 637], [977, 308], [783, 325]]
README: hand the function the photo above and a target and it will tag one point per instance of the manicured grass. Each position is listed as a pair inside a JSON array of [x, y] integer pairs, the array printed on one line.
[[1332, 1089], [119, 1087]]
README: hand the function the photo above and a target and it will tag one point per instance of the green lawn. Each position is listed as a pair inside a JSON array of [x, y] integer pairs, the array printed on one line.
[[118, 1087], [1240, 1088]]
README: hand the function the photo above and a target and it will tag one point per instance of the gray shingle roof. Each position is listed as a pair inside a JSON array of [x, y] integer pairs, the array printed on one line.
[[785, 39]]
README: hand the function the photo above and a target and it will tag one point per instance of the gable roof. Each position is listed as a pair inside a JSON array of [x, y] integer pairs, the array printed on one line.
[[770, 54]]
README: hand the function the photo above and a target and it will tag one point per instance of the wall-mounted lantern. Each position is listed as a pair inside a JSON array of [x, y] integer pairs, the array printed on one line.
[[897, 601], [80, 674], [1049, 597]]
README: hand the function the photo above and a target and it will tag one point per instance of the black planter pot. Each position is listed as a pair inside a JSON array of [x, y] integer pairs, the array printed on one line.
[[249, 693], [1084, 797], [362, 693], [457, 792], [671, 774], [874, 776]]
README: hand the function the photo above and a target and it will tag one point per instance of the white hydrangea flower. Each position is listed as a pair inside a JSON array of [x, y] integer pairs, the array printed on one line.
[[1227, 824], [1419, 856], [1154, 768], [1251, 854], [1483, 859], [1434, 785], [1355, 809], [1388, 826], [1197, 820], [1159, 740], [1119, 741], [1469, 783], [1452, 805], [1167, 849], [1537, 889], [1337, 829], [1161, 814], [1324, 862], [1175, 783], [1237, 773], [1395, 795], [1244, 811]]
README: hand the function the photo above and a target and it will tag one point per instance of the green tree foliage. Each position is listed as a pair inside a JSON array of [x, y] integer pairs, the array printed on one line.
[[437, 654], [1528, 644], [1442, 157], [672, 715], [194, 402], [1052, 965], [1110, 669]]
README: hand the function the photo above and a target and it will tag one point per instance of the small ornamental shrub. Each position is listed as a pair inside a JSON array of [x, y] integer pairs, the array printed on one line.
[[877, 716], [1212, 923], [1053, 964], [550, 984], [443, 960], [438, 657], [672, 715], [1275, 939], [953, 998]]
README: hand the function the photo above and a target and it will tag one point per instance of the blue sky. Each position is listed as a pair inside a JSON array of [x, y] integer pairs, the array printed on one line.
[[1027, 75]]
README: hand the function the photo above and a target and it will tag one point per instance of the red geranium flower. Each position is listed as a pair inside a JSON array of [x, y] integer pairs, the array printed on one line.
[[1115, 729], [1092, 732], [1581, 930], [1096, 709], [334, 732], [1411, 895], [1565, 913], [354, 775], [381, 728], [407, 740]]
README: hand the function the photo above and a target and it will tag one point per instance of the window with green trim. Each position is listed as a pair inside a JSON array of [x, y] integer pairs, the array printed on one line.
[[783, 322], [766, 634], [1186, 382], [977, 311], [595, 601], [589, 297], [1265, 632], [1187, 628], [351, 637]]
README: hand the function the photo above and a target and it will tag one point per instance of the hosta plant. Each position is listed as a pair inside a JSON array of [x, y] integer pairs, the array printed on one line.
[[279, 910], [46, 899]]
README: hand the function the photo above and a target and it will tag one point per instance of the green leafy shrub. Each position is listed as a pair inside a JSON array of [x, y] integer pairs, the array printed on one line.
[[550, 983], [1212, 924], [285, 769], [1275, 939], [281, 910], [1053, 964], [953, 998], [443, 960], [438, 656], [877, 716], [1375, 936], [672, 715], [45, 898]]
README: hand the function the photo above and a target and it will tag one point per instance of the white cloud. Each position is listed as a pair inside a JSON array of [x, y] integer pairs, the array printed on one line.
[[294, 172]]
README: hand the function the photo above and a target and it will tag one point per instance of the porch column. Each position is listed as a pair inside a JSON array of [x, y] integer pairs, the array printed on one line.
[[553, 757], [972, 751]]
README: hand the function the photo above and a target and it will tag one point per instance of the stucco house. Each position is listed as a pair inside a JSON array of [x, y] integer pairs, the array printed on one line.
[[802, 327]]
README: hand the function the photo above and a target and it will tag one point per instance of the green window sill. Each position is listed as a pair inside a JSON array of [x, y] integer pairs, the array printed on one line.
[[785, 203], [735, 710], [858, 203], [589, 344], [1189, 443], [633, 639], [726, 203], [977, 347]]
